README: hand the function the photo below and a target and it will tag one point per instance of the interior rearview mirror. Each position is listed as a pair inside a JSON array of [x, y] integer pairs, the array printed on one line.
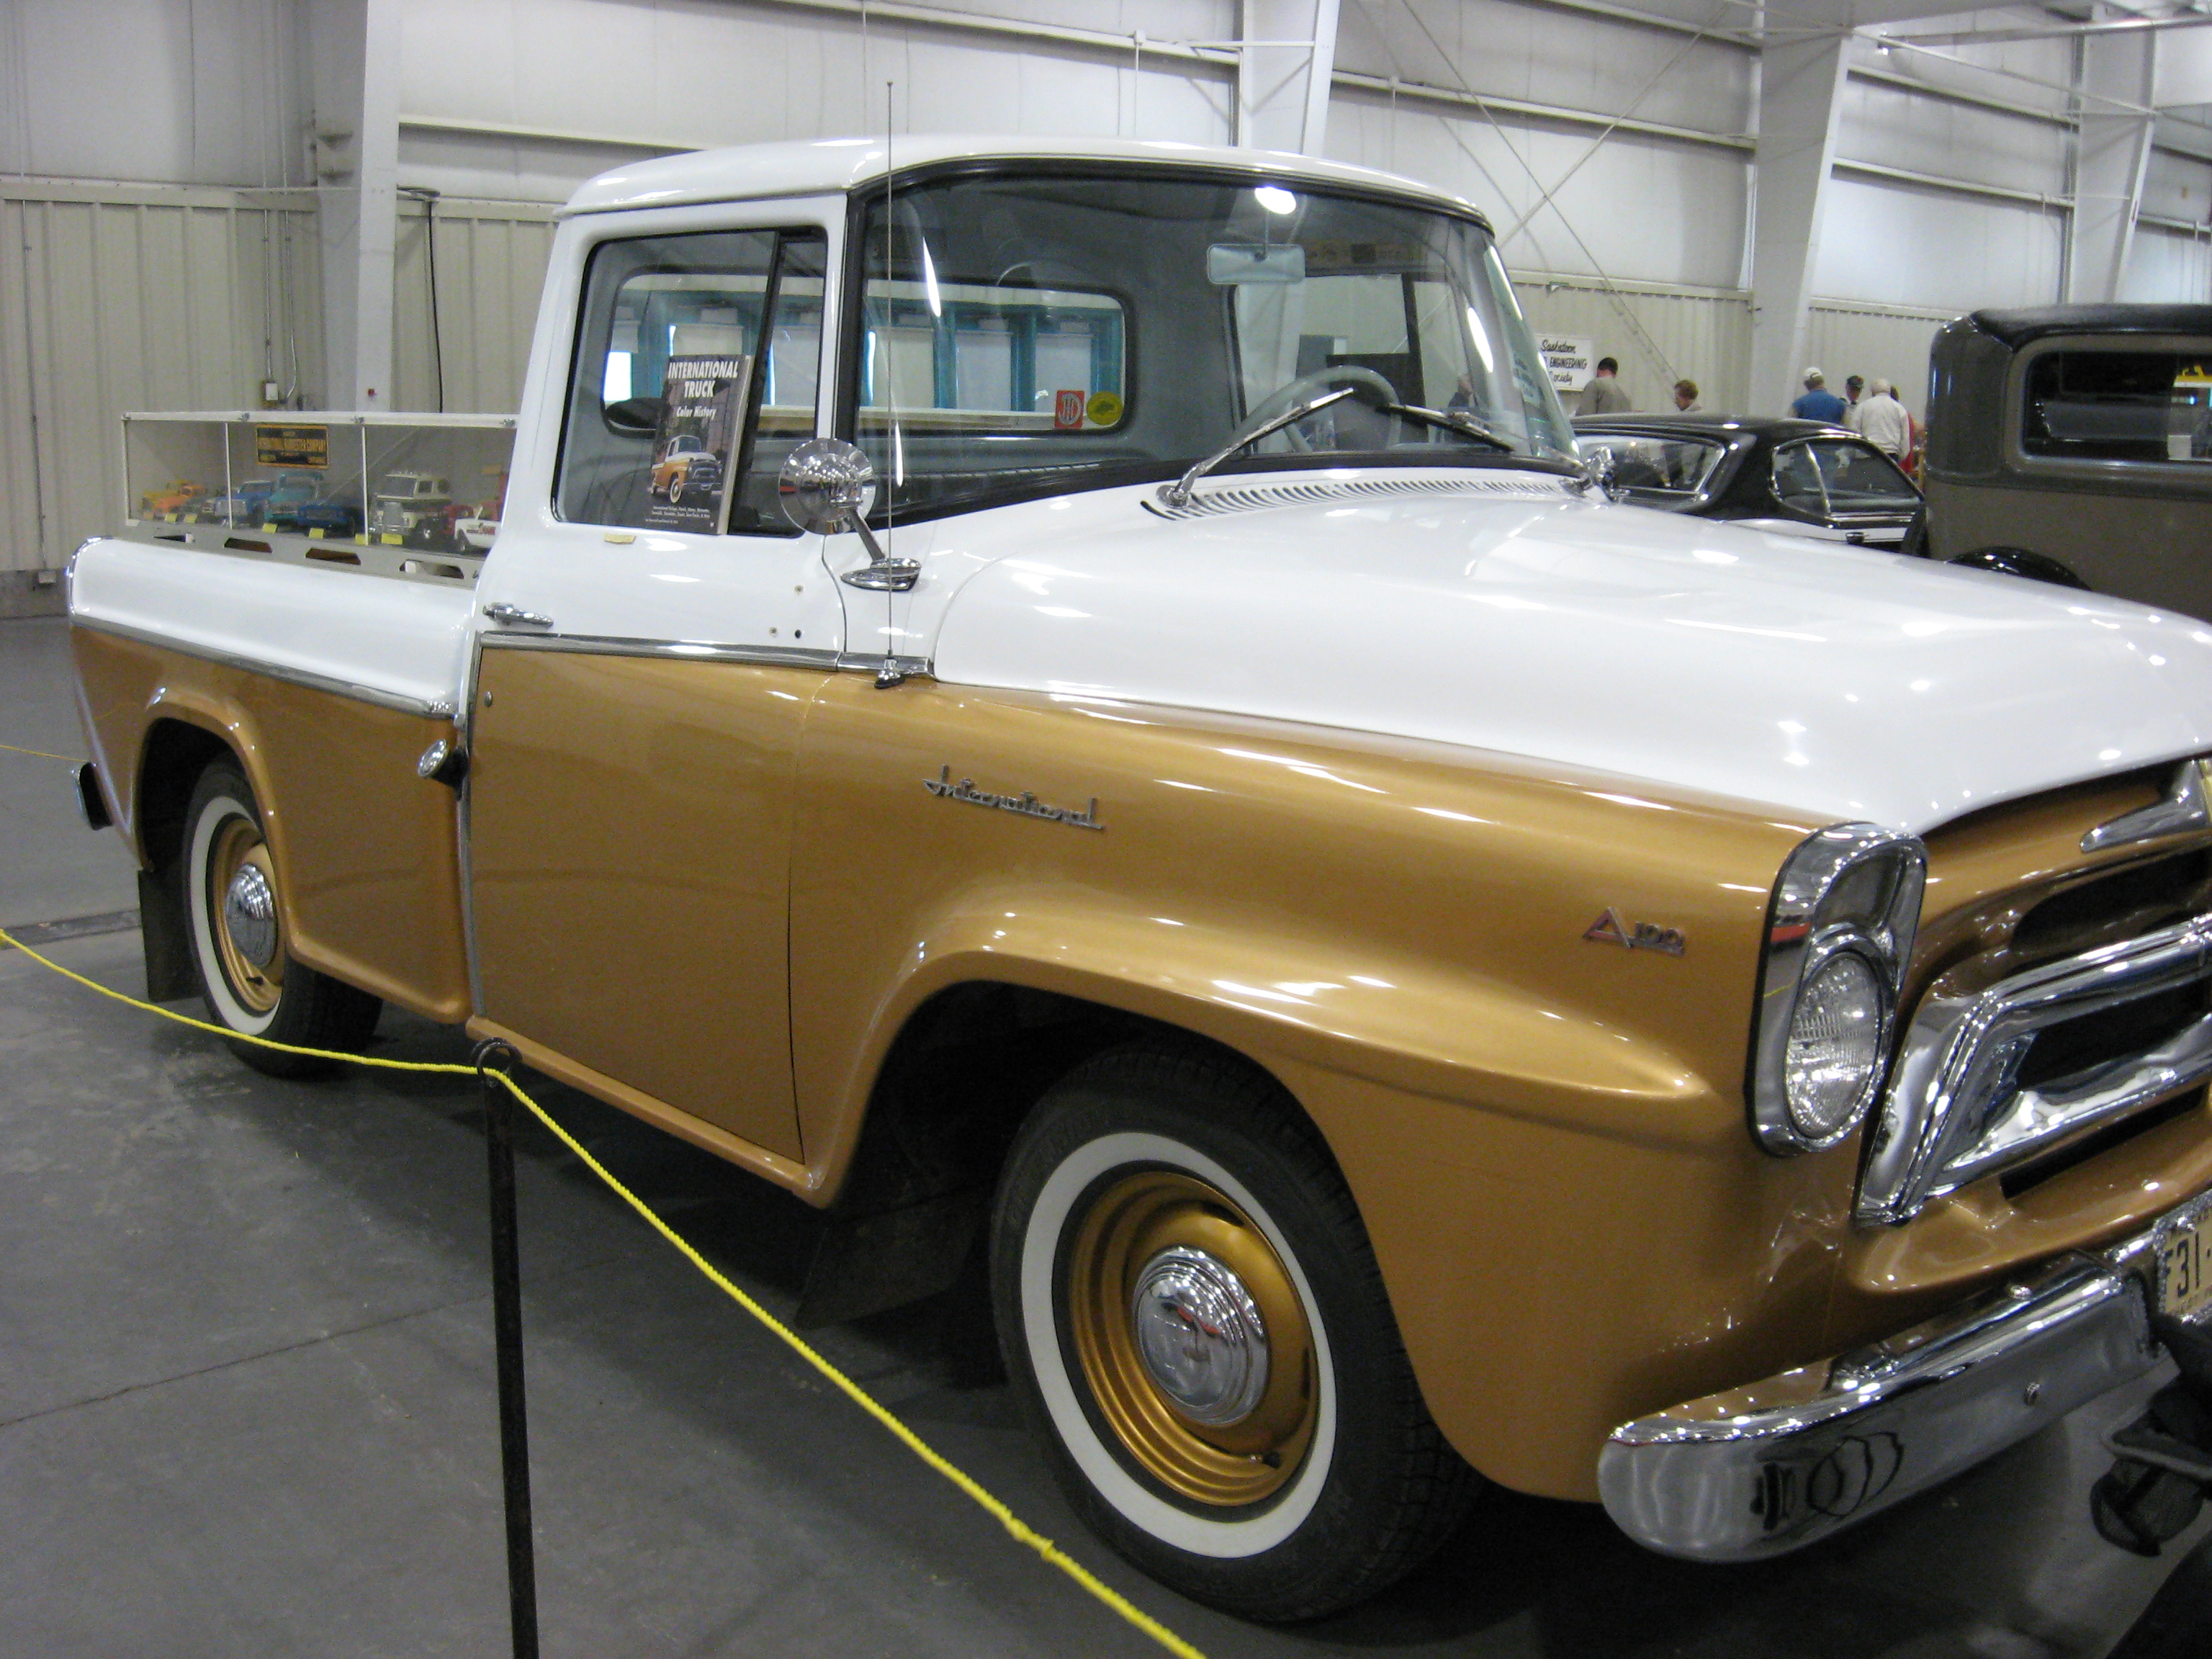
[[1233, 264]]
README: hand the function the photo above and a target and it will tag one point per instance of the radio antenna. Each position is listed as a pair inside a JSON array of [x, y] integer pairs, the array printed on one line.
[[889, 674]]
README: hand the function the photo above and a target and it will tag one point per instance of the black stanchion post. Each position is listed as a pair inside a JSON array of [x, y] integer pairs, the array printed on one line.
[[491, 1058]]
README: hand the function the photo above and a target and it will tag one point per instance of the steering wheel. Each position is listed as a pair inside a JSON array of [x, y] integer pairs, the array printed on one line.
[[1297, 391]]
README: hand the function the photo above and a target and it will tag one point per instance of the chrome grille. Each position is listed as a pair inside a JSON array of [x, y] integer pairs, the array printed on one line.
[[1987, 1079]]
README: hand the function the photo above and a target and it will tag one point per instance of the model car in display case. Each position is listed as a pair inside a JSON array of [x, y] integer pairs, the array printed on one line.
[[290, 475], [408, 502], [1155, 754]]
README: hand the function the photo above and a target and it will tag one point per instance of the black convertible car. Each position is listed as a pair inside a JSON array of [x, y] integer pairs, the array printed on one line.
[[1801, 476]]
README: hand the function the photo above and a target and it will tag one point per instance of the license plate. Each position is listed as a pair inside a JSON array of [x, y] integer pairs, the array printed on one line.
[[2184, 1270]]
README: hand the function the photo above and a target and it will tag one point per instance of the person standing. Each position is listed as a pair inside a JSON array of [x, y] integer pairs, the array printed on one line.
[[1604, 394], [1854, 389], [1883, 422], [1686, 398], [1818, 403]]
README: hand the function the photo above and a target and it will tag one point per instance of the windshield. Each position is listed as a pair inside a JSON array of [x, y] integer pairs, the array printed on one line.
[[1025, 334]]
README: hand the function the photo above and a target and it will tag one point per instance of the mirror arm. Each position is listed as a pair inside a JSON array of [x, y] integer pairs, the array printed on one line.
[[882, 573]]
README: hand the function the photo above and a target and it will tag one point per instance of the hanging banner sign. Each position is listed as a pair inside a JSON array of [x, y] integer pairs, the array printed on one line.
[[292, 445], [1570, 362]]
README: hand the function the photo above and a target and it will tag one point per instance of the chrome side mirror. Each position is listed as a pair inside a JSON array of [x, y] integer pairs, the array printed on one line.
[[828, 485], [1596, 474]]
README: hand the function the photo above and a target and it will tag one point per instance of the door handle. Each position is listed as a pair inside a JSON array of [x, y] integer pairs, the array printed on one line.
[[513, 616]]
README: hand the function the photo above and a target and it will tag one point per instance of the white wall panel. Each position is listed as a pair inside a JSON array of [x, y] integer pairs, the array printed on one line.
[[122, 304], [491, 267], [1890, 127], [689, 76], [2166, 264], [1933, 249], [1546, 55], [2178, 187], [207, 92], [1643, 209], [1658, 336]]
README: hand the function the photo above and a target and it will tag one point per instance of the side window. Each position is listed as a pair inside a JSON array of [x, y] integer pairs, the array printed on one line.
[[1797, 480], [697, 359], [2120, 406]]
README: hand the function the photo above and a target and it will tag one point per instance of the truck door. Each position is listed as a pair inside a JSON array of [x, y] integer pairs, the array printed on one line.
[[653, 632]]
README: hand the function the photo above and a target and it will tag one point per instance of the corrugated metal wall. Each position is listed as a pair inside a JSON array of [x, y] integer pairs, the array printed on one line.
[[1874, 340], [1659, 334], [111, 299], [491, 267]]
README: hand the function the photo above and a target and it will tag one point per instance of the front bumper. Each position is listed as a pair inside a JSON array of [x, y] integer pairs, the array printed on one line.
[[1773, 1467]]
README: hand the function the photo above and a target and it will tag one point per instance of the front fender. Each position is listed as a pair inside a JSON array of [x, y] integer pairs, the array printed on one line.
[[1545, 1132]]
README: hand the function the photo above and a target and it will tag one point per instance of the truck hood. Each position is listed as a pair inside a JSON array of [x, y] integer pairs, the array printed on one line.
[[1834, 681]]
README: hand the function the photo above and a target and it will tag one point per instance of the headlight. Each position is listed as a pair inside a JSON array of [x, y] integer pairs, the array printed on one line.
[[1840, 931]]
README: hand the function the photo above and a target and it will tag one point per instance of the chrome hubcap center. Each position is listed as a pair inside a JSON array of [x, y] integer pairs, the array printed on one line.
[[249, 916], [1199, 1335]]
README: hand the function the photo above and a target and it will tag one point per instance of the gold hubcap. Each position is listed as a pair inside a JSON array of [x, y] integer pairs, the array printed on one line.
[[240, 847], [1161, 1245]]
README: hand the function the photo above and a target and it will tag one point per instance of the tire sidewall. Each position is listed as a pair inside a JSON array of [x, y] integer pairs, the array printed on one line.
[[223, 796], [1286, 1553]]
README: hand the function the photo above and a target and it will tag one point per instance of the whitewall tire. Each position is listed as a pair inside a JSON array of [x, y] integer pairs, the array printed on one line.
[[240, 943], [1193, 1319]]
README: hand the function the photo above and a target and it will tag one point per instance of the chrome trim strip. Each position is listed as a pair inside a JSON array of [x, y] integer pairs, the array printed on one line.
[[779, 656], [1724, 1480], [425, 709], [464, 826], [2182, 809], [788, 656], [1953, 1114]]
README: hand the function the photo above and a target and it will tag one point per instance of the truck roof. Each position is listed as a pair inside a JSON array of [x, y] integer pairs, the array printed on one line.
[[828, 165]]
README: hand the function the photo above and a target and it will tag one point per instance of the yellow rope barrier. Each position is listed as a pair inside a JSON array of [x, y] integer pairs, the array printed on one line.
[[14, 750], [1016, 1526]]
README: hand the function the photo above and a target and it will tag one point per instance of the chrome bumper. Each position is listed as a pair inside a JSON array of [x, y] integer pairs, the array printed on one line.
[[1769, 1468]]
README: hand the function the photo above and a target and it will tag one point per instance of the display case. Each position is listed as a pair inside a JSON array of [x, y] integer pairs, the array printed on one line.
[[413, 496]]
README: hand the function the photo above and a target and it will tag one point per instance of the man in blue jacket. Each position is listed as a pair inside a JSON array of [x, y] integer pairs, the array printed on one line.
[[1818, 404]]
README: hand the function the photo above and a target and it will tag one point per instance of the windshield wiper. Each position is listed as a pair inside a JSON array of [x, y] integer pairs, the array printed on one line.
[[1178, 493], [1451, 419]]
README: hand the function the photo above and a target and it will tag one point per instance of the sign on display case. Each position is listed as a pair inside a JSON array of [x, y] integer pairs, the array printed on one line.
[[322, 487]]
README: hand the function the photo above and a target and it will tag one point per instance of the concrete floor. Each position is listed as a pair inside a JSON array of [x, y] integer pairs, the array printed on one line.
[[246, 1403]]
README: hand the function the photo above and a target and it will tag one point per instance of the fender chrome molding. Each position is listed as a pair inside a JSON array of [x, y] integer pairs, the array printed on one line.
[[776, 656], [1781, 1463], [423, 707]]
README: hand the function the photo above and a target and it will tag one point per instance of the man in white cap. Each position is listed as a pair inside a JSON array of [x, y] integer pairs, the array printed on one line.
[[1818, 404], [1883, 421]]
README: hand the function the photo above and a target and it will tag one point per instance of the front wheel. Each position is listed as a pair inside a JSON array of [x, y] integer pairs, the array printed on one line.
[[241, 945], [1195, 1320]]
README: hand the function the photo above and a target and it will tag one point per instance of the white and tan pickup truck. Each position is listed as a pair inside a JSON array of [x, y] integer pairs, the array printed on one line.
[[1154, 759]]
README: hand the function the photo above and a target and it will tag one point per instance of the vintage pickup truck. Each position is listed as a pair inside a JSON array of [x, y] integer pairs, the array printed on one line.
[[1158, 761]]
